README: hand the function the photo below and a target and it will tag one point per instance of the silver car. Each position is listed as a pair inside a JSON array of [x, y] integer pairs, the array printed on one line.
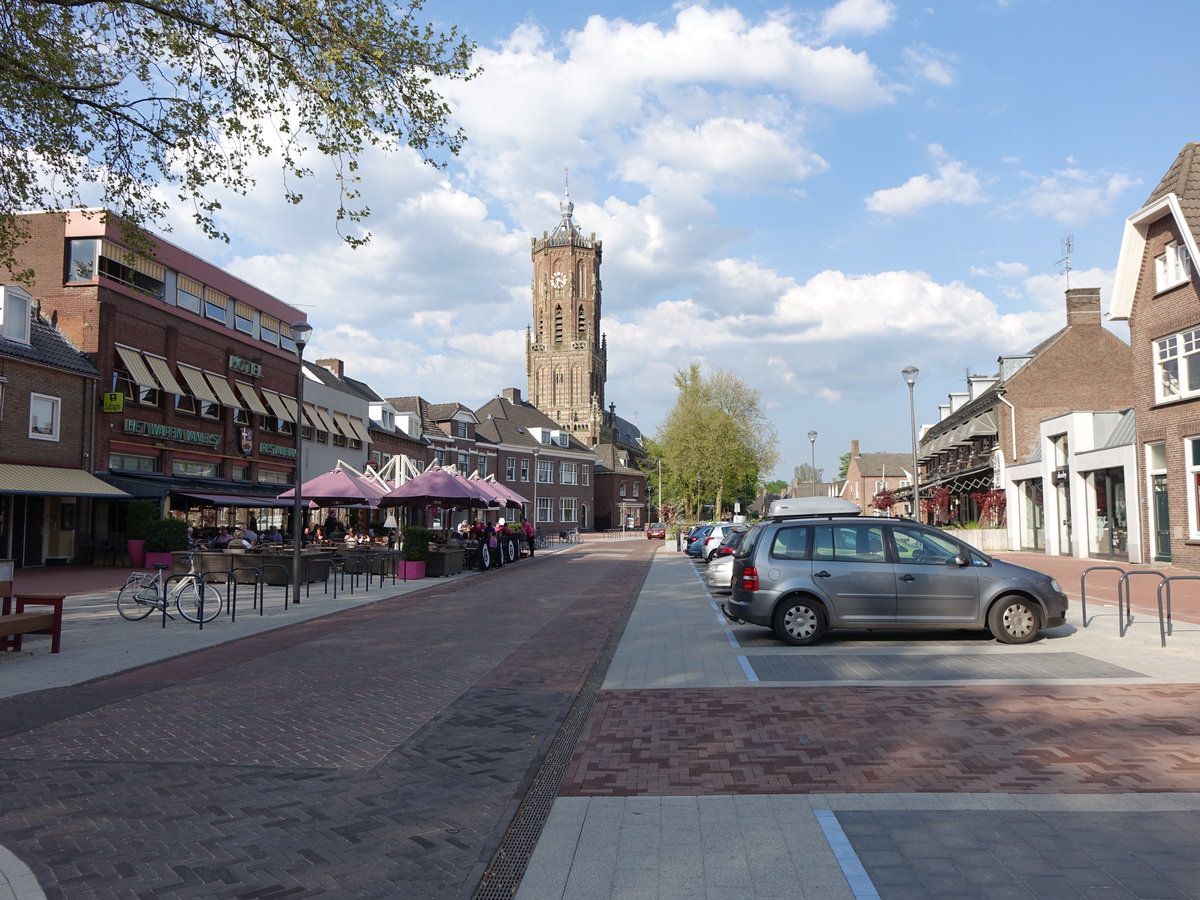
[[815, 564]]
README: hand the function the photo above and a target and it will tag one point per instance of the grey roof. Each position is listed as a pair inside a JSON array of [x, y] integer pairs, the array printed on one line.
[[502, 421], [878, 465], [610, 456], [1125, 434], [48, 347]]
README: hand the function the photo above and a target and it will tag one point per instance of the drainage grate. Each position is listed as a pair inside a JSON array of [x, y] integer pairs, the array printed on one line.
[[507, 867]]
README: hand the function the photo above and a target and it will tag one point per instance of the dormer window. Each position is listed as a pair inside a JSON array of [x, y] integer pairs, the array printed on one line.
[[14, 314], [1172, 268]]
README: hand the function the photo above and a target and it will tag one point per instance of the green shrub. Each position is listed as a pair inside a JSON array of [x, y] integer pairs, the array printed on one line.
[[416, 543], [140, 516], [166, 536]]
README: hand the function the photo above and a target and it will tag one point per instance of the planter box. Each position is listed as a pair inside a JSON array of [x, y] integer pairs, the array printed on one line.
[[989, 540], [410, 571], [445, 562]]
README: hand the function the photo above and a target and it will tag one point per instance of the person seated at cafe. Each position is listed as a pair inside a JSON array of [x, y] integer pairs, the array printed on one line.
[[248, 534], [223, 538], [276, 536], [319, 535], [239, 541], [350, 539]]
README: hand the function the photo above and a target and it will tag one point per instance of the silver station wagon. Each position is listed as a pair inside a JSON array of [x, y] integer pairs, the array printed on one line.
[[816, 564]]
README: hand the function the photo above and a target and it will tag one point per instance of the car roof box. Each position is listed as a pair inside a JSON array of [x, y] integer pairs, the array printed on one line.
[[793, 507]]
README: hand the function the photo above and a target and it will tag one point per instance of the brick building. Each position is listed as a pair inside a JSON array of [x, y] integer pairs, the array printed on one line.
[[996, 422], [48, 405], [1155, 291], [869, 473], [197, 368]]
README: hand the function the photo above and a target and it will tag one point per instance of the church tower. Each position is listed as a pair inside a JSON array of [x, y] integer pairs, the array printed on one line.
[[566, 356]]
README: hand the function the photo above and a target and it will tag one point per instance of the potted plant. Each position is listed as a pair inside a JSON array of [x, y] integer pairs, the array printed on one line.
[[416, 551], [140, 516], [164, 537]]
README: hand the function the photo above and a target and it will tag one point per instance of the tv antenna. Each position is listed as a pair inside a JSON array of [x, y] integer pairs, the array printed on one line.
[[1068, 244]]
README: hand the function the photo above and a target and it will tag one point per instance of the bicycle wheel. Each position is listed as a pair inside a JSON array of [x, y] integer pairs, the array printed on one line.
[[136, 601], [187, 601]]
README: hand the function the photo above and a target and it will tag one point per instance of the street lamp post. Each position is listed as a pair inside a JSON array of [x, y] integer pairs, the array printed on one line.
[[300, 335], [910, 378], [812, 442]]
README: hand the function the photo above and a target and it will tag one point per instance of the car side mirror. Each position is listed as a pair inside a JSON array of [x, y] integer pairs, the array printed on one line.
[[960, 561]]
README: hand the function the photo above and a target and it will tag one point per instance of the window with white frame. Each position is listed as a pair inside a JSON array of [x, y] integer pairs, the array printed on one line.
[[1193, 473], [622, 489], [637, 489], [1172, 268], [44, 412], [510, 469], [14, 314], [2, 381], [545, 509], [568, 507], [439, 457], [1177, 365], [545, 472], [568, 473], [461, 430], [482, 466], [464, 462], [585, 475], [524, 470]]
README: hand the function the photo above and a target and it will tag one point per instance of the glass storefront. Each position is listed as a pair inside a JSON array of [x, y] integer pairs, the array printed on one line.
[[1108, 529], [1033, 535]]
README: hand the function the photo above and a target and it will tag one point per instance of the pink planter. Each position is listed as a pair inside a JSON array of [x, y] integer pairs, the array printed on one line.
[[410, 571]]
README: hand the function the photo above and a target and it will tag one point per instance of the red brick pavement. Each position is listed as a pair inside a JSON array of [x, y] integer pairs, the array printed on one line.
[[985, 739]]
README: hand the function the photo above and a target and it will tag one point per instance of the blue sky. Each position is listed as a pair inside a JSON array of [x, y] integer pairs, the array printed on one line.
[[809, 196]]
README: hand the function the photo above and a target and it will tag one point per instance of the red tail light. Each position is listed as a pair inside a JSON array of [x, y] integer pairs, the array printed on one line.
[[749, 579], [724, 551]]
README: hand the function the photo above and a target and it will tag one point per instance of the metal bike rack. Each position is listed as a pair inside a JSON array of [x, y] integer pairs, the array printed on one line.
[[233, 582], [287, 584], [1083, 589], [325, 561], [1165, 626], [1123, 593]]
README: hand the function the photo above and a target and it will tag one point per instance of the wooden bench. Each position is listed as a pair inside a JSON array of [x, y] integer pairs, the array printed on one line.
[[14, 625]]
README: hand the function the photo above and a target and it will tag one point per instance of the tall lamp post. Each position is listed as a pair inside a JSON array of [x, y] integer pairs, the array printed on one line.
[[300, 334], [812, 442], [910, 378]]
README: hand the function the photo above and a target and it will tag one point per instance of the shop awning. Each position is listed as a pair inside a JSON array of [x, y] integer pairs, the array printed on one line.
[[234, 499], [48, 481], [278, 408], [326, 422], [343, 424], [360, 430]]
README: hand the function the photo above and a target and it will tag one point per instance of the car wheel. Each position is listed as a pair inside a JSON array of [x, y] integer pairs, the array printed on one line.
[[1014, 620], [799, 621]]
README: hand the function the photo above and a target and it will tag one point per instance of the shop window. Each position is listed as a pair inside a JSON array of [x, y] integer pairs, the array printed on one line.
[[132, 462], [271, 476], [239, 473], [190, 468]]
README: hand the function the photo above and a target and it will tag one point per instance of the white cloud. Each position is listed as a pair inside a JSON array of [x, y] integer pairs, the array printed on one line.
[[857, 17], [1075, 196], [953, 183], [931, 65], [1001, 270]]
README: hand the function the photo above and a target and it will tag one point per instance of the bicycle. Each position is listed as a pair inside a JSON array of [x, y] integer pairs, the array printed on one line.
[[144, 593], [540, 541]]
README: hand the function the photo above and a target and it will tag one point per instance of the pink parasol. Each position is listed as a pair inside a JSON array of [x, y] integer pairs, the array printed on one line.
[[337, 488], [436, 487]]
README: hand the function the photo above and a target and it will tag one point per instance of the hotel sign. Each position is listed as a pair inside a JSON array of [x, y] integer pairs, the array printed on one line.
[[170, 432], [245, 367]]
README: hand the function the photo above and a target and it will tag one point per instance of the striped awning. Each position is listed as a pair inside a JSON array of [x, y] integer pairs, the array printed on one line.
[[137, 367], [224, 391], [162, 371], [49, 481], [197, 385], [248, 394], [360, 429], [278, 409], [326, 420], [343, 423]]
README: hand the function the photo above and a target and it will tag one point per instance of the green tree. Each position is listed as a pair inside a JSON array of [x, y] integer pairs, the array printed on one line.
[[124, 97], [775, 487], [806, 474], [843, 464], [716, 441]]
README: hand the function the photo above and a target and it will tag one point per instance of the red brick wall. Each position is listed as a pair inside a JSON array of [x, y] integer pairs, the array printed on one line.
[[73, 391], [1154, 316]]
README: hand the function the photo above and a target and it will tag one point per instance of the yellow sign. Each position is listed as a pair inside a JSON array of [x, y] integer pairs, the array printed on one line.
[[114, 403]]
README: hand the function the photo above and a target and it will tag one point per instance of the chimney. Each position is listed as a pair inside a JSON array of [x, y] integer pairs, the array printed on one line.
[[336, 366], [854, 454], [1083, 306], [512, 395]]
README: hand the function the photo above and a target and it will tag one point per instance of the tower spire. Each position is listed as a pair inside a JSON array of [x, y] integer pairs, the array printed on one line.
[[566, 207]]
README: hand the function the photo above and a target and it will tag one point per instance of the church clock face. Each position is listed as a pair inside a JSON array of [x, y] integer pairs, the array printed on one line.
[[558, 280]]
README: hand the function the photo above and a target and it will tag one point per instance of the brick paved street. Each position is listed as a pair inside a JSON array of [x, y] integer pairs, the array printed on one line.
[[379, 752]]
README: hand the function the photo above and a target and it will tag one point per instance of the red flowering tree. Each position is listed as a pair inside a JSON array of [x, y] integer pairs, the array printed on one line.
[[937, 506], [884, 500], [991, 507]]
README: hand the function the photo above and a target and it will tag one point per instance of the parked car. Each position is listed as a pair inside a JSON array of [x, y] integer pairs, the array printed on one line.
[[719, 573], [695, 540], [713, 539], [657, 530], [815, 564]]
